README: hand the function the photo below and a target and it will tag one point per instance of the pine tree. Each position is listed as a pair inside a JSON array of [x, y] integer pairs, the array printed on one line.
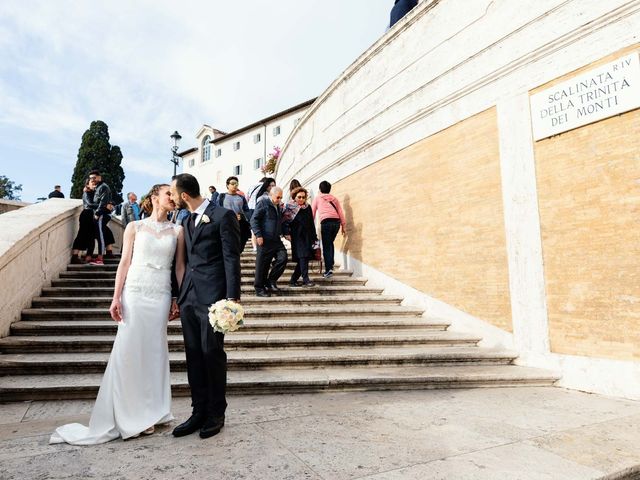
[[96, 153], [8, 189]]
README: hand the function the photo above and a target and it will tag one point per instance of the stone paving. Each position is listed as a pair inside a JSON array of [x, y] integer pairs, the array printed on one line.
[[492, 433]]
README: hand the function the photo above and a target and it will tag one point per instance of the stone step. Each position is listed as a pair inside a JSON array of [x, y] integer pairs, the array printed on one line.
[[238, 340], [112, 267], [246, 273], [65, 363], [256, 311], [285, 290], [247, 300], [108, 326], [249, 256], [276, 381], [102, 282]]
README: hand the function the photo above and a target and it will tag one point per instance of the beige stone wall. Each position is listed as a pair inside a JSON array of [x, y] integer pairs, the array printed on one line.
[[589, 197], [431, 216], [35, 243]]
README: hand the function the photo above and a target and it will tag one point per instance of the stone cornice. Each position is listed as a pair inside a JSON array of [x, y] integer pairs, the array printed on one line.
[[413, 16]]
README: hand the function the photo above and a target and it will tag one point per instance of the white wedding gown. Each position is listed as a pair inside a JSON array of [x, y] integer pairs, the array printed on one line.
[[135, 392]]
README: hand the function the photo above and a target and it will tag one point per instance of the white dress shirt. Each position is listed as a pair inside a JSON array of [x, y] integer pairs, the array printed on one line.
[[200, 210]]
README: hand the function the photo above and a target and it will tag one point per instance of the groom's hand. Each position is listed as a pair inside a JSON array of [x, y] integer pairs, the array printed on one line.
[[174, 311]]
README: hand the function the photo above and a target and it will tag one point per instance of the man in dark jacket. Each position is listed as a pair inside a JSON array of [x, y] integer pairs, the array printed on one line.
[[213, 194], [56, 192], [212, 273], [266, 223], [400, 9]]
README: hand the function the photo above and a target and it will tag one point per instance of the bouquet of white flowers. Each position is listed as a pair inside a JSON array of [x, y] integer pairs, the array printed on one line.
[[226, 316]]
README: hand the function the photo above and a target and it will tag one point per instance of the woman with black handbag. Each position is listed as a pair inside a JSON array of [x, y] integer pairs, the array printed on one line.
[[299, 229]]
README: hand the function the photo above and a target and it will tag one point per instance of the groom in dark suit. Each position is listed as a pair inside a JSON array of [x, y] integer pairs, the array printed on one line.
[[212, 273]]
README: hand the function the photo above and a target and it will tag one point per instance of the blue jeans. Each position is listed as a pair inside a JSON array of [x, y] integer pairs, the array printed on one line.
[[329, 231]]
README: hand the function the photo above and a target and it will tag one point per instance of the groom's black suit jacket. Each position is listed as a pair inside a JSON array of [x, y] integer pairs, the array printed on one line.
[[212, 257]]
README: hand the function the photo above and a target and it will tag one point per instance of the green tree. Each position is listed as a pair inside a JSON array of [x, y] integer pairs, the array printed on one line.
[[8, 189], [96, 153]]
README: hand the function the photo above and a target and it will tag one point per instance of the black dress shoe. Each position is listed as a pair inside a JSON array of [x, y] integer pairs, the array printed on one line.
[[211, 426], [190, 426], [262, 293], [273, 287]]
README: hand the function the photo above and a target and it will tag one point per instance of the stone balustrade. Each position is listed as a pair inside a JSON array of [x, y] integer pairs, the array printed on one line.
[[35, 244]]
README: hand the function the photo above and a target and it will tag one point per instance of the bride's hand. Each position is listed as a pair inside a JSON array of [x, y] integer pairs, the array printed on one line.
[[174, 312], [116, 310]]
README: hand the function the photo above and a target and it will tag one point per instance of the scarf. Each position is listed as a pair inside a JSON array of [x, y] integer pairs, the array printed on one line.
[[291, 209]]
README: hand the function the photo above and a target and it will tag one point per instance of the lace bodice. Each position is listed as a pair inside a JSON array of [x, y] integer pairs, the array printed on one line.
[[153, 250], [155, 243]]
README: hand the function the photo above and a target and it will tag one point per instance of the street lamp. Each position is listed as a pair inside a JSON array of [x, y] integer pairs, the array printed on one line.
[[175, 159]]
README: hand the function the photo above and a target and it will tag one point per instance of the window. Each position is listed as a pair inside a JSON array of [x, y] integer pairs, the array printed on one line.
[[237, 170], [297, 121], [206, 148], [192, 162], [257, 163], [256, 138], [218, 152], [276, 131], [236, 146]]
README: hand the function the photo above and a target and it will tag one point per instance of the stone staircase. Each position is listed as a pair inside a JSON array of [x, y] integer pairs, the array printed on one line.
[[338, 335]]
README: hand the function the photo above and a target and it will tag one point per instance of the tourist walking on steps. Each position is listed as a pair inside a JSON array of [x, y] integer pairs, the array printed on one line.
[[299, 229], [256, 193], [266, 223], [292, 186], [328, 209], [135, 391]]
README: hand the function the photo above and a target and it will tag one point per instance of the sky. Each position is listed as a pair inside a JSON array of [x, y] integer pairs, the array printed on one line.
[[147, 68]]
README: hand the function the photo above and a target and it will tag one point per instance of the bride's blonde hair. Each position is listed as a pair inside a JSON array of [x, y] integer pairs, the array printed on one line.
[[146, 204]]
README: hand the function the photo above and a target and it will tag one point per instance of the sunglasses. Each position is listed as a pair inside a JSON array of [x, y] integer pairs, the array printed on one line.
[[301, 197]]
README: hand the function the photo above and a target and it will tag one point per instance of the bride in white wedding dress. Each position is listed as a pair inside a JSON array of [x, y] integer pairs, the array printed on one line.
[[135, 393]]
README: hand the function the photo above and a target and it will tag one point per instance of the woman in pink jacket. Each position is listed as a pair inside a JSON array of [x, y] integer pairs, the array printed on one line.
[[328, 208]]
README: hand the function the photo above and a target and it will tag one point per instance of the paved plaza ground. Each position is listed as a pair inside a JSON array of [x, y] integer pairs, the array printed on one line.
[[498, 433]]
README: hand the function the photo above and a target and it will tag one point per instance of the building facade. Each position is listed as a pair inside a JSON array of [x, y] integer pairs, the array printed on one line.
[[243, 152]]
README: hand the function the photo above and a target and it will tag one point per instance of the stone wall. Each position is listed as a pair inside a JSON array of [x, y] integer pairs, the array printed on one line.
[[534, 246], [35, 244], [443, 213]]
